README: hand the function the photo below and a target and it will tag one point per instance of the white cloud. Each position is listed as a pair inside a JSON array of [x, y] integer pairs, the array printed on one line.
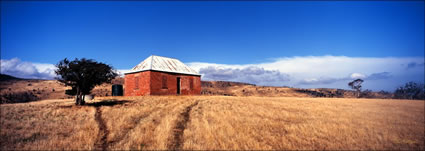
[[353, 76], [335, 71], [21, 69], [415, 65], [357, 76], [378, 76], [250, 74], [121, 72]]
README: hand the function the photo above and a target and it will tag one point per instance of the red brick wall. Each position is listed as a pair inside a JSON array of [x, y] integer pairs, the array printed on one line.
[[157, 79], [143, 84], [151, 83]]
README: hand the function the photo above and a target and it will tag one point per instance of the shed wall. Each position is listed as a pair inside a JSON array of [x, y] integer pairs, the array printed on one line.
[[157, 79], [143, 82], [151, 83]]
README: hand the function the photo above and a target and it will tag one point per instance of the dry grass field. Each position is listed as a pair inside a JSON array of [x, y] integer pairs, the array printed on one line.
[[214, 122]]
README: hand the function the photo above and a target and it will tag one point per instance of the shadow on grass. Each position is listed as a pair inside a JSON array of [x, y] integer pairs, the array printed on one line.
[[98, 104], [107, 103]]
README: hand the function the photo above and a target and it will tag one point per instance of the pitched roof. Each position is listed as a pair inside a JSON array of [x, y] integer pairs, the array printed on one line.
[[163, 64]]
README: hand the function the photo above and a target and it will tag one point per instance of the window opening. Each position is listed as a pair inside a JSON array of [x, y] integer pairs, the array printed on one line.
[[164, 82]]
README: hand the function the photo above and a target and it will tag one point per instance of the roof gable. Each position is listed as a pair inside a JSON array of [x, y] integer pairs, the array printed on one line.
[[164, 64]]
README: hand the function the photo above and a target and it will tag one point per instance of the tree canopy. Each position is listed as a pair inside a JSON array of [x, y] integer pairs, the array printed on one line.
[[83, 75], [356, 85]]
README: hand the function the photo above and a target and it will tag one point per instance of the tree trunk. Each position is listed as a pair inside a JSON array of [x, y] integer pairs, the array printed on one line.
[[78, 97], [358, 93], [82, 102], [77, 100]]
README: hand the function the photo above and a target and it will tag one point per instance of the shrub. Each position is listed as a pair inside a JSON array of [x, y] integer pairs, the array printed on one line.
[[410, 90]]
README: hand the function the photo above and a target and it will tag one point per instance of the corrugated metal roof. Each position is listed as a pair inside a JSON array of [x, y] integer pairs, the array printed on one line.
[[164, 64]]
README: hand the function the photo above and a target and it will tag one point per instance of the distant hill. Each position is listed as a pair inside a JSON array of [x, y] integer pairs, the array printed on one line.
[[5, 77], [245, 89], [15, 90]]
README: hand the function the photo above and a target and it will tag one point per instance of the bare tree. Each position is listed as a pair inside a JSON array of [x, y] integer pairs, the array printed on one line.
[[356, 85]]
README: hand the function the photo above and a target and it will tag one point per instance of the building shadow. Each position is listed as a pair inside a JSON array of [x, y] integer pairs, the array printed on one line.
[[97, 104], [107, 103]]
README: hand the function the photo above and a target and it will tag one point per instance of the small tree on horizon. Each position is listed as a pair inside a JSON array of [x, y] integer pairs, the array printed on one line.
[[356, 85], [83, 75], [410, 90]]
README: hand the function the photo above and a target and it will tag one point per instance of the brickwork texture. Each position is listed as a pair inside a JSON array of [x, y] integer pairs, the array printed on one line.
[[161, 83]]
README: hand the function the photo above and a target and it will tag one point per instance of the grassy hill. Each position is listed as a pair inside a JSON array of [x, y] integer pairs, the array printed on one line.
[[214, 123], [15, 90], [245, 89], [5, 77]]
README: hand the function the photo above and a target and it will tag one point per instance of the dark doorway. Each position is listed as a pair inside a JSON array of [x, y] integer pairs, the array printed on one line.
[[178, 85]]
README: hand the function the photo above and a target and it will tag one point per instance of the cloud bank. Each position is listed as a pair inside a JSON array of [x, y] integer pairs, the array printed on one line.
[[353, 76], [21, 69], [250, 74], [321, 71]]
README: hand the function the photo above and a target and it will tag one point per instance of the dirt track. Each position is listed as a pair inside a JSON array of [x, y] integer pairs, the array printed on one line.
[[179, 128], [101, 143]]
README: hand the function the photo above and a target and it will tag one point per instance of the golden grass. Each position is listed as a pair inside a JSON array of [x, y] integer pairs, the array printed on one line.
[[46, 125], [214, 122]]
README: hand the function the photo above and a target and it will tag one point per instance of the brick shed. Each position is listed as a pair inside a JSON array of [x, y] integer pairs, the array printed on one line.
[[158, 75]]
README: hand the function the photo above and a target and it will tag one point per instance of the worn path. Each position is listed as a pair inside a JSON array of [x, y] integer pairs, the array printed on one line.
[[101, 142], [177, 141]]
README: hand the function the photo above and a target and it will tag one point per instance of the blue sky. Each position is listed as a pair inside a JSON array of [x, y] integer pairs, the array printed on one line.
[[228, 35]]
